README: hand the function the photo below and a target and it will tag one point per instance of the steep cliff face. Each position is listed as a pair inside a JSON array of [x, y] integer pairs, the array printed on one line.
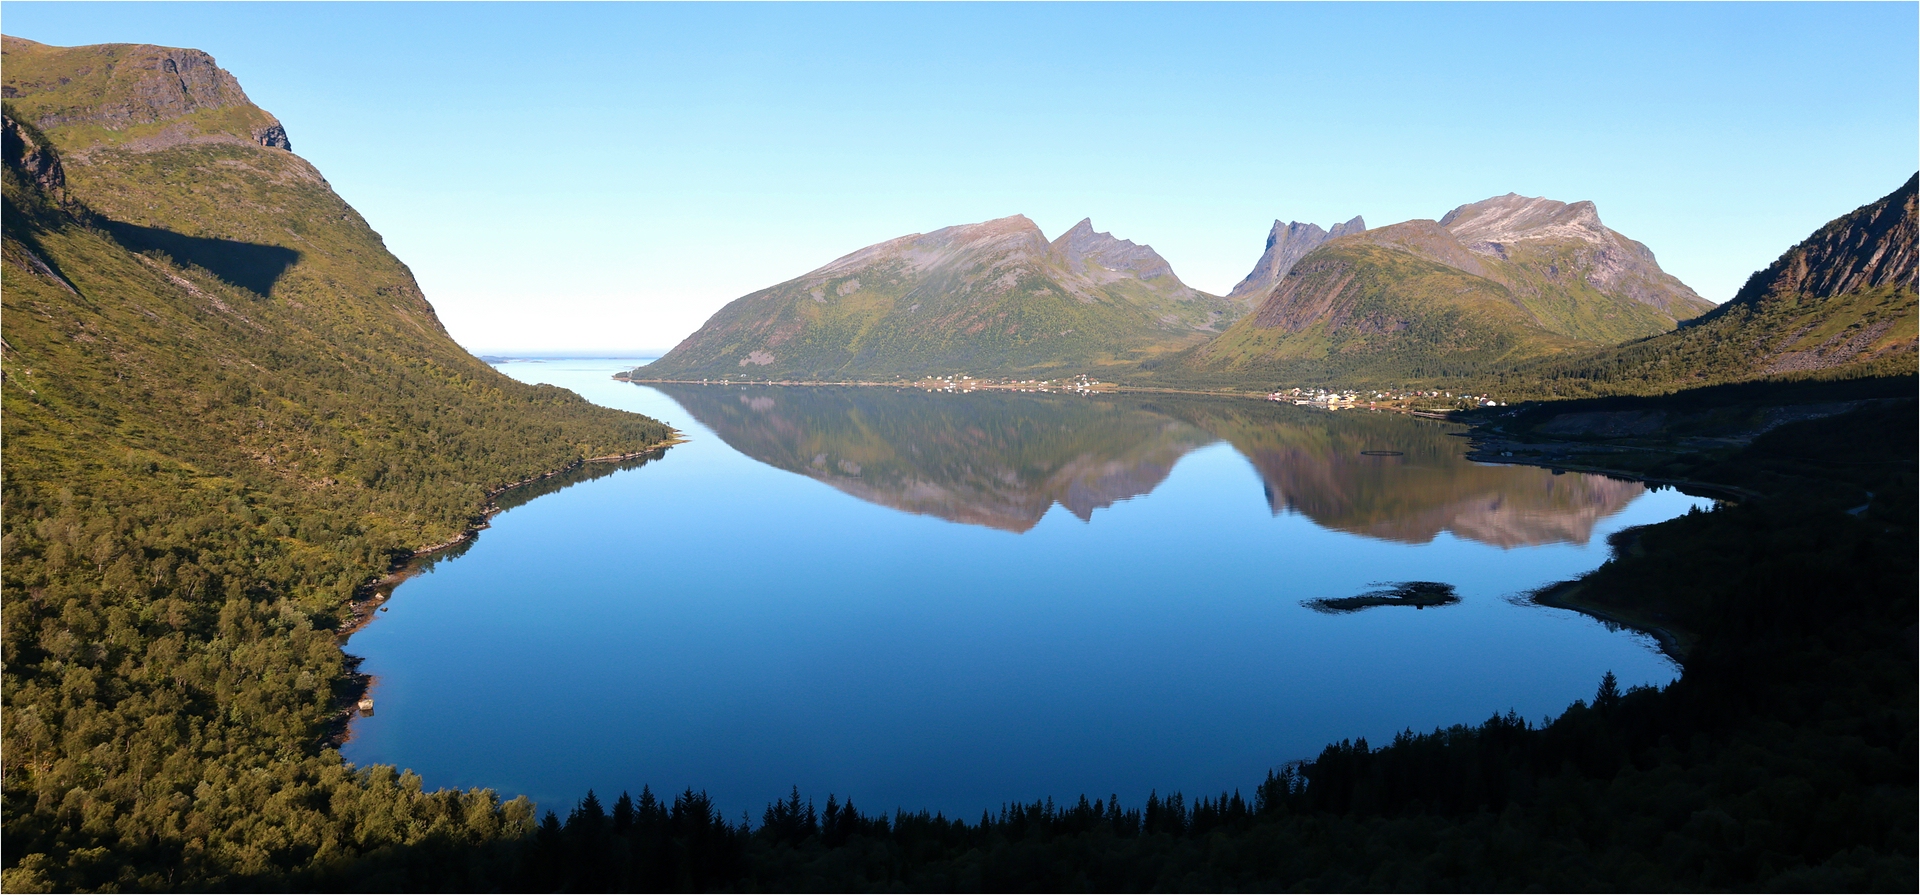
[[1104, 259], [32, 155], [992, 297], [1286, 245], [1870, 247]]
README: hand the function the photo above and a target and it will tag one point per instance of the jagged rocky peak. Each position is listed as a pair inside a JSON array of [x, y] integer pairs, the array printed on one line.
[[1485, 225], [1286, 245], [1355, 225], [1081, 247], [1874, 245]]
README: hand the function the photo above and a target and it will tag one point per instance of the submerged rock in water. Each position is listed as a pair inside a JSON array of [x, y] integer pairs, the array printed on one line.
[[1418, 594]]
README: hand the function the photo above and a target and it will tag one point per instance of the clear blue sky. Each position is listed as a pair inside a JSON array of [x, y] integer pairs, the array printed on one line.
[[604, 176]]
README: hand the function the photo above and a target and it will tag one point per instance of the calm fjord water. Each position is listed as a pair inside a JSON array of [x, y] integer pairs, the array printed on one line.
[[954, 601]]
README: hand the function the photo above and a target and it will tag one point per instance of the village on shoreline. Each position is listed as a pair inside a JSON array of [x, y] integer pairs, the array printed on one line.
[[1404, 400]]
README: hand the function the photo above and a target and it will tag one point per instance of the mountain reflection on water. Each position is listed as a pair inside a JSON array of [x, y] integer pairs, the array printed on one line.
[[1001, 459]]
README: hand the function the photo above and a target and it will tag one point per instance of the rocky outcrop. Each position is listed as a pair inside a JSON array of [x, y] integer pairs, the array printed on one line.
[[1874, 245], [1286, 245], [272, 136], [33, 157], [145, 97]]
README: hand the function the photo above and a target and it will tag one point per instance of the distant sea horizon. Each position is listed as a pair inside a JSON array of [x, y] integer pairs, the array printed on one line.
[[503, 357]]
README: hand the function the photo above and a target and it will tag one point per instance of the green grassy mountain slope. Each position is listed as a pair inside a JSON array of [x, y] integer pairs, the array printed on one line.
[[994, 297], [1840, 304], [1493, 284], [1574, 274], [226, 408], [1367, 309]]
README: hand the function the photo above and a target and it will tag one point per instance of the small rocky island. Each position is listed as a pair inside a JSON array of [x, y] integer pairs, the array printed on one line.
[[1418, 594]]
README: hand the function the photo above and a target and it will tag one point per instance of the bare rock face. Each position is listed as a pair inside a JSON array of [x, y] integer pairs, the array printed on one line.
[[1872, 246], [137, 83], [1087, 260], [1485, 225], [1104, 257], [29, 153], [1286, 245], [272, 136]]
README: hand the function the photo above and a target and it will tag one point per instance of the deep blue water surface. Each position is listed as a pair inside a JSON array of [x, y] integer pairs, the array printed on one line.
[[954, 601]]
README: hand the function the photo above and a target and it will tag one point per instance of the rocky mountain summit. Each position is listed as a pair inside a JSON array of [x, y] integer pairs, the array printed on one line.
[[1506, 227], [1101, 258], [133, 94], [991, 297], [1286, 245], [1491, 283], [1840, 303]]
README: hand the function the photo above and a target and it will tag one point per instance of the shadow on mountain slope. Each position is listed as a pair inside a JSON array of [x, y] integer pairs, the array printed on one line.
[[250, 266]]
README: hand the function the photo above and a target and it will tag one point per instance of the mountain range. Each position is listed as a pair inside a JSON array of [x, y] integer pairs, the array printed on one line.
[[226, 408], [1491, 285]]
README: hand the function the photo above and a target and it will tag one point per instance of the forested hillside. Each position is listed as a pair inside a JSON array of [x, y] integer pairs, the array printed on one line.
[[226, 409]]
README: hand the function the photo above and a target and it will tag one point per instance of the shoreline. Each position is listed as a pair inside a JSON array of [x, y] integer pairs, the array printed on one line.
[[1565, 595], [371, 596], [1104, 388]]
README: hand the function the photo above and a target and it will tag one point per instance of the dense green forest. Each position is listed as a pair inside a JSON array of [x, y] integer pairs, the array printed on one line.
[[203, 468]]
